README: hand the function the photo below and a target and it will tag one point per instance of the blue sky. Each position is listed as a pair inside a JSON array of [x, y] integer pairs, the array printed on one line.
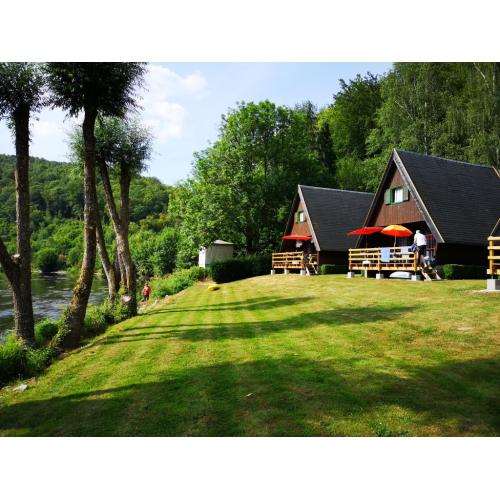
[[185, 101]]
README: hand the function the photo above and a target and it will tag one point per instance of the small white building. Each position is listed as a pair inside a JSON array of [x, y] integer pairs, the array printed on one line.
[[217, 251]]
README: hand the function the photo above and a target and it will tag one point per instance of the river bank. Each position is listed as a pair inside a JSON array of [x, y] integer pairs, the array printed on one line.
[[51, 294]]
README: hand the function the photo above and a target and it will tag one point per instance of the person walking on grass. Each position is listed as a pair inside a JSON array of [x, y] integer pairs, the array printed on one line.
[[146, 292], [421, 241]]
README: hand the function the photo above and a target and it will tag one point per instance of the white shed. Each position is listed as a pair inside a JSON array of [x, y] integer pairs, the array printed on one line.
[[217, 251]]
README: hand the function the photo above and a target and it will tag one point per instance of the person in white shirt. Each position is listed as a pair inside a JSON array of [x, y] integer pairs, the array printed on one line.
[[421, 241]]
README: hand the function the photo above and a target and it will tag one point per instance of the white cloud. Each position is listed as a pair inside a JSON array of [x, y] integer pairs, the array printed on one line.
[[164, 88], [43, 128]]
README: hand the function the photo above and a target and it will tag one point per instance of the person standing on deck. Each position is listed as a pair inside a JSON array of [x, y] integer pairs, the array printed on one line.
[[421, 241]]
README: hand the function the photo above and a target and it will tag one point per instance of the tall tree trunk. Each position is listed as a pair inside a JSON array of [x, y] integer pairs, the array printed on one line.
[[118, 271], [125, 221], [109, 270], [120, 225], [18, 268], [81, 292], [23, 305]]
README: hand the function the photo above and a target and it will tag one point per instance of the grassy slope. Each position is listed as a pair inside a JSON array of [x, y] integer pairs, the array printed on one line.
[[282, 355]]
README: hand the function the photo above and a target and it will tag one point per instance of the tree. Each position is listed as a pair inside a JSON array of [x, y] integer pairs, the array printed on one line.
[[350, 120], [21, 94], [242, 185], [122, 149], [97, 89]]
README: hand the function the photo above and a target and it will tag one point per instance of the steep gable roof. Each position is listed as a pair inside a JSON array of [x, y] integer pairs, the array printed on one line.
[[332, 213], [459, 201]]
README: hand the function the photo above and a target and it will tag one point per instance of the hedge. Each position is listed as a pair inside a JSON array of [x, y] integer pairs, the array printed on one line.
[[333, 269], [240, 268], [463, 272]]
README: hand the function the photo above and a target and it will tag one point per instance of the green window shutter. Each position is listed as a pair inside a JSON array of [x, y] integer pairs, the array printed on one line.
[[406, 193], [387, 197]]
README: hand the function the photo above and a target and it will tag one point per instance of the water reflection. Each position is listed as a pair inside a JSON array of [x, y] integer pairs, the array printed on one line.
[[51, 294]]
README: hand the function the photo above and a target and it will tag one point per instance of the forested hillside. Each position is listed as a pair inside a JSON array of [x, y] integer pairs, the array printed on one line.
[[57, 212]]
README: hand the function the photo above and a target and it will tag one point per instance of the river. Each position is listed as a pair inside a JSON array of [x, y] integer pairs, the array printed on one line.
[[51, 294]]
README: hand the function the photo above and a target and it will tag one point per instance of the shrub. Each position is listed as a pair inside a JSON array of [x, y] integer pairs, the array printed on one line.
[[45, 330], [13, 362], [240, 268], [177, 281], [97, 318], [463, 272], [333, 269], [17, 360], [47, 260]]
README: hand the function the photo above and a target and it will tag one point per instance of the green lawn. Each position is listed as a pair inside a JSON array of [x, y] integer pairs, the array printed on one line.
[[282, 355]]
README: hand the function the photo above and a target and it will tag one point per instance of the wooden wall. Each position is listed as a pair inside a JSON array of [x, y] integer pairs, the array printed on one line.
[[300, 228], [399, 213]]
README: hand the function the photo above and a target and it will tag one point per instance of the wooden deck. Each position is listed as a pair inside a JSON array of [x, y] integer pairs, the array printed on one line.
[[370, 259], [494, 255], [296, 260]]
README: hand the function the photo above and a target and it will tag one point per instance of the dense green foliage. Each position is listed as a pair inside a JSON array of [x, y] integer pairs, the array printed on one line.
[[333, 269], [45, 331], [47, 260], [177, 281], [17, 360], [98, 317], [154, 254], [57, 208], [241, 187], [240, 268], [462, 272]]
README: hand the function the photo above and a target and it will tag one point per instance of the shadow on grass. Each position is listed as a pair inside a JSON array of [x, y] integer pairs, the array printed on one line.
[[221, 331], [256, 304], [288, 396]]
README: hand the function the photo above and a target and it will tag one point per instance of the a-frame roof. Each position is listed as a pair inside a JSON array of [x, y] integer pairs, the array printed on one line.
[[459, 201], [331, 214], [496, 229]]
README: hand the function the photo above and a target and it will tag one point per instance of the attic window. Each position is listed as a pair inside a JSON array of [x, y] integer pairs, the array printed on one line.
[[396, 194], [300, 216]]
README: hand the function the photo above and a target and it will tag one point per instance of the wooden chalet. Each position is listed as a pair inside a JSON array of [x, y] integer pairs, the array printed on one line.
[[316, 232], [455, 204]]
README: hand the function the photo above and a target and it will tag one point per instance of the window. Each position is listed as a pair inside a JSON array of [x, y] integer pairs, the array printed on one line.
[[300, 216], [396, 194]]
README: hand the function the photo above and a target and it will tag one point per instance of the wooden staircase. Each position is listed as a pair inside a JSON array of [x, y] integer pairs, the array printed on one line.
[[430, 274], [311, 265]]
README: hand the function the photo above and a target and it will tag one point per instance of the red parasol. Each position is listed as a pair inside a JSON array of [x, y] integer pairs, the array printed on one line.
[[296, 237], [365, 230]]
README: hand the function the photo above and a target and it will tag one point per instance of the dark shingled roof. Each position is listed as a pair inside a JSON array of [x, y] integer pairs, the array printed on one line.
[[496, 229], [333, 213], [462, 199]]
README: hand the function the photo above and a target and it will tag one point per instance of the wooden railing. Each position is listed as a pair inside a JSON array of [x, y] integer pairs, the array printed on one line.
[[370, 259], [494, 255], [293, 260]]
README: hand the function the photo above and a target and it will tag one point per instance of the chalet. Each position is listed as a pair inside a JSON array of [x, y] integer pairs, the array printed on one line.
[[455, 204], [316, 232]]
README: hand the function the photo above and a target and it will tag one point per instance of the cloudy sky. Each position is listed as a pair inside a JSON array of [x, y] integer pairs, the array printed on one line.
[[183, 103]]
